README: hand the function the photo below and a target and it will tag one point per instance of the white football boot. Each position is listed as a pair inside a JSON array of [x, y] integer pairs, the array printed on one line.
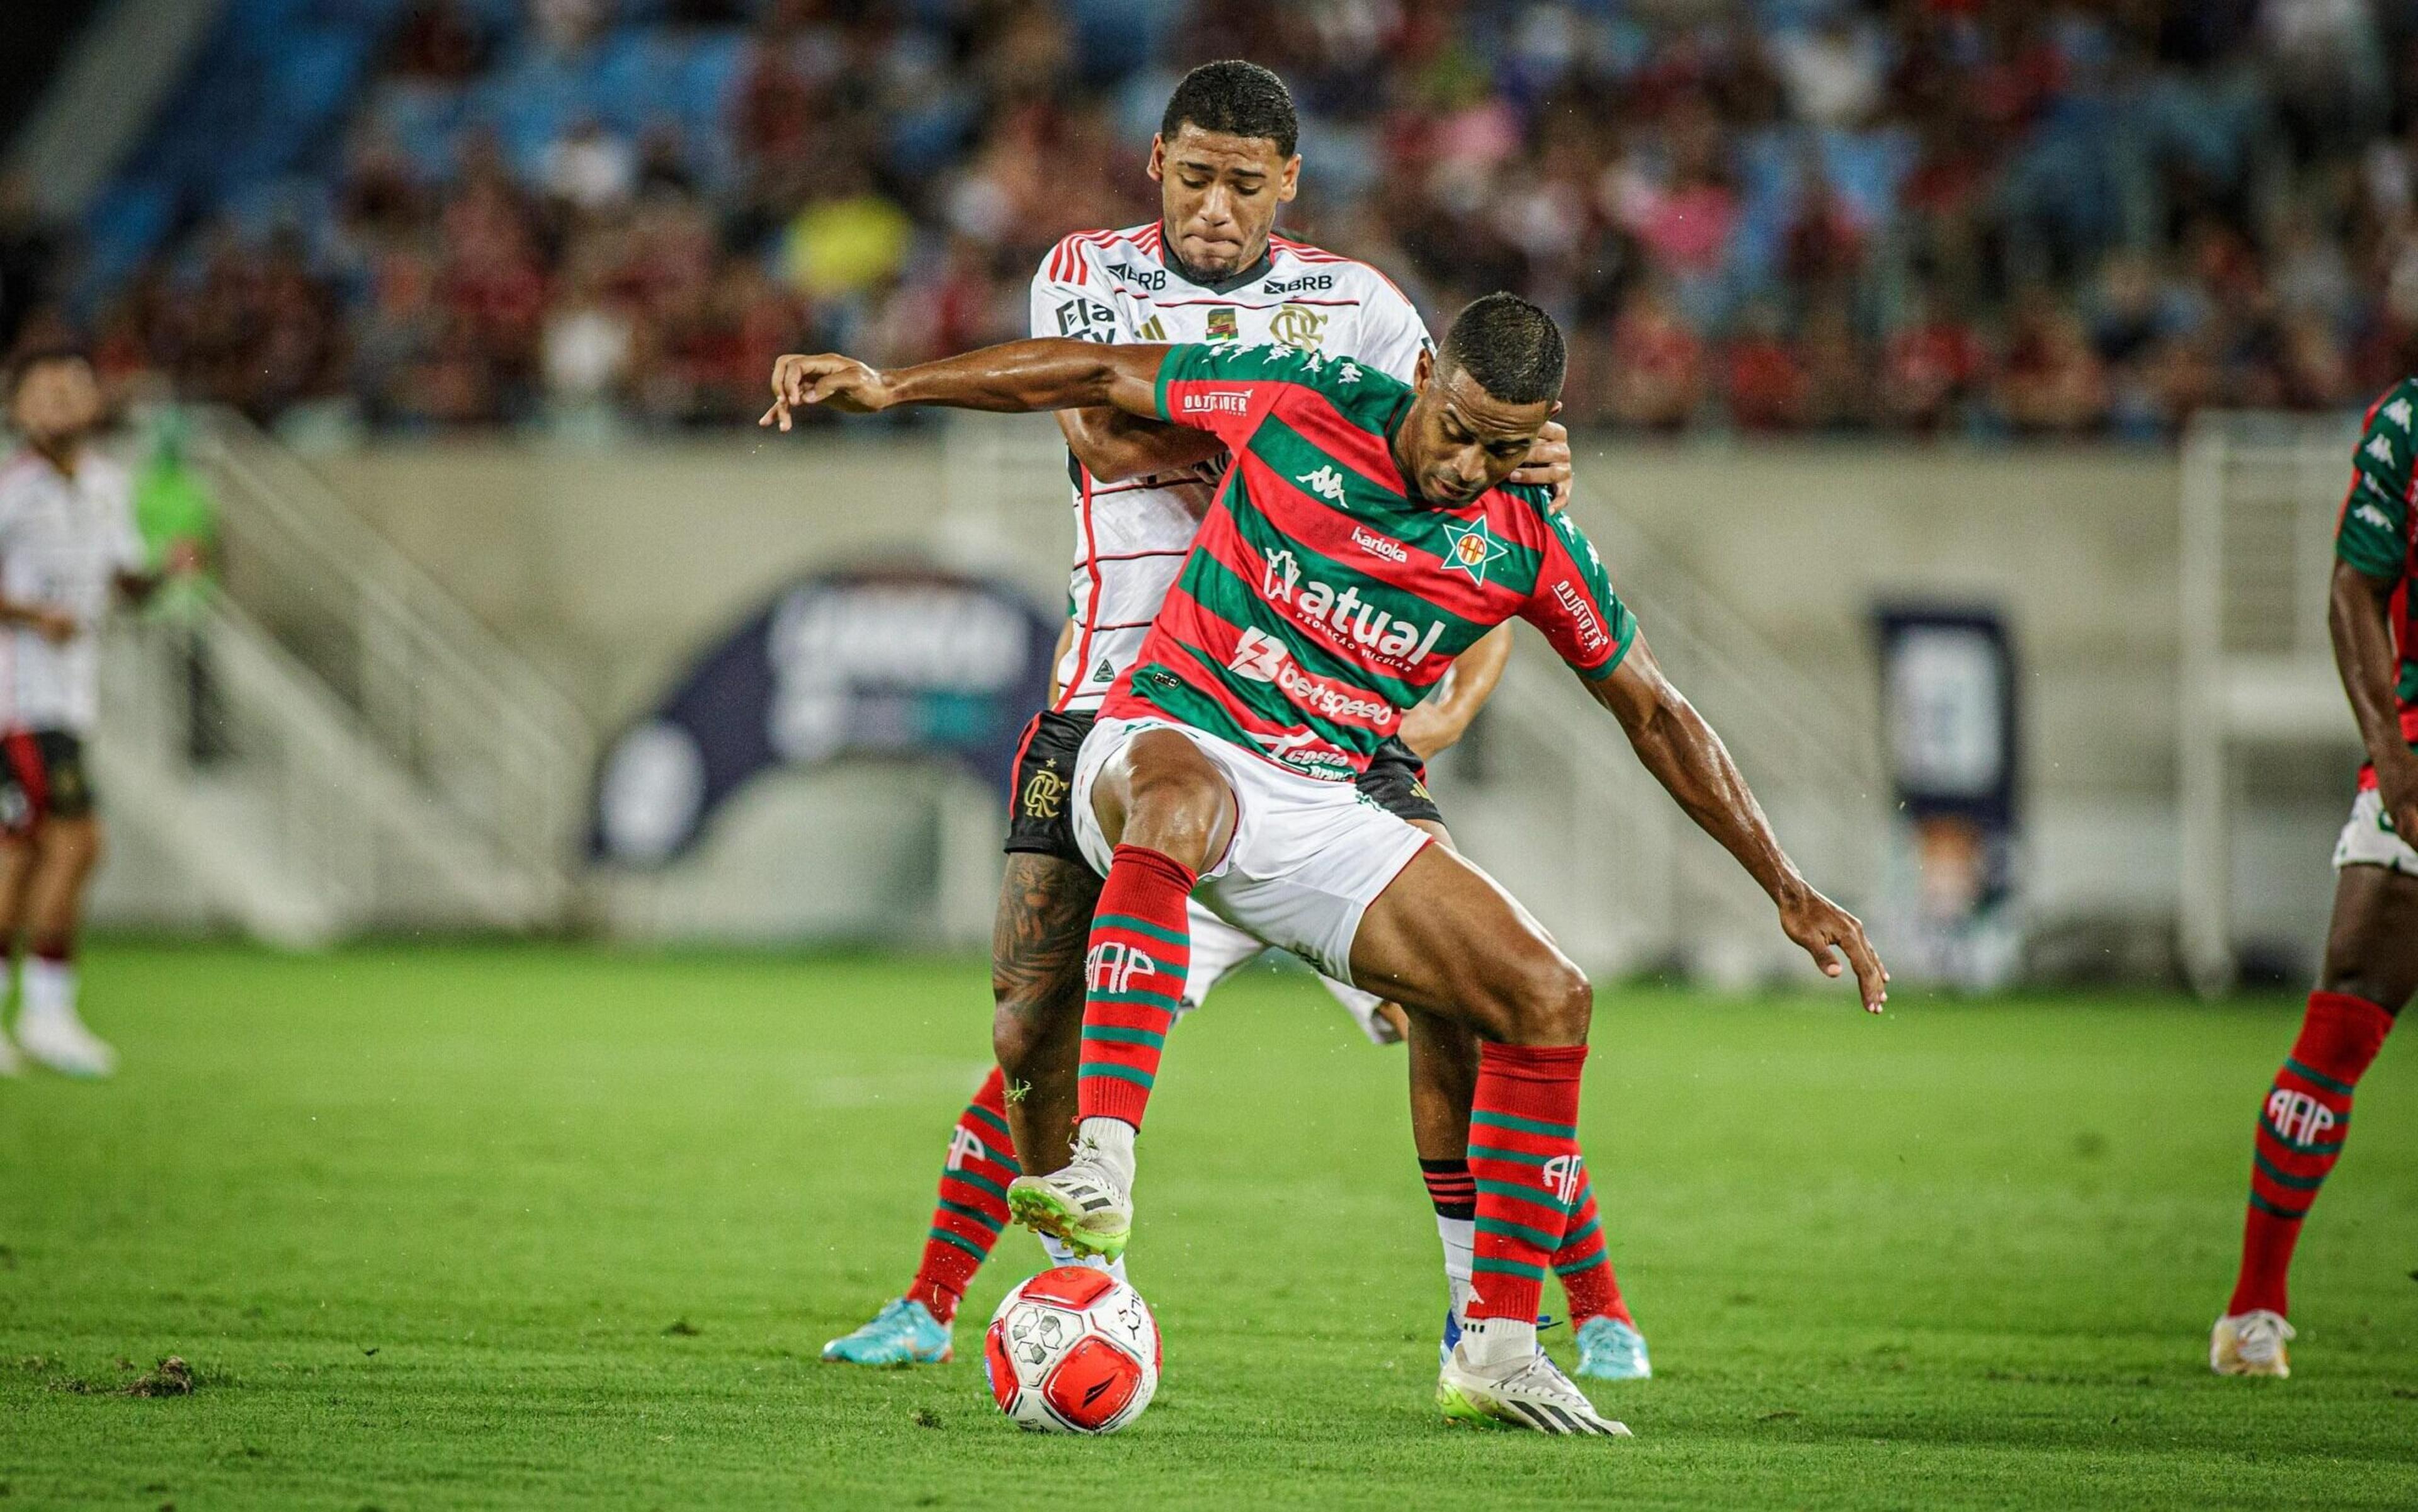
[[2249, 1344], [1087, 1206], [57, 1038], [1528, 1391]]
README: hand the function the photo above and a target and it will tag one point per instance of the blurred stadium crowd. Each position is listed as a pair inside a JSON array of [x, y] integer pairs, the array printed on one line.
[[1981, 217]]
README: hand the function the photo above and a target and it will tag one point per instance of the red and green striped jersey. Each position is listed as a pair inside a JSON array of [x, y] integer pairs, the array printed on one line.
[[2379, 531], [1322, 597]]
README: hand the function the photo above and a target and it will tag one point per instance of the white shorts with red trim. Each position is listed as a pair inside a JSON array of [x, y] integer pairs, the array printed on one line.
[[1219, 950], [2368, 840], [1307, 857]]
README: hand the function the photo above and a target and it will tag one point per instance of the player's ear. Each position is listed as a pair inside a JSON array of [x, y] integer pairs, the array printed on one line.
[[1289, 183], [1157, 159], [1554, 413], [1424, 368]]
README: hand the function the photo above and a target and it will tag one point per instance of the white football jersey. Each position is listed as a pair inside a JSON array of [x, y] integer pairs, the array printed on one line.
[[63, 542], [1114, 286]]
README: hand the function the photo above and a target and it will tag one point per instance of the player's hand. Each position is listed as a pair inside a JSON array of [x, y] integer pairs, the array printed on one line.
[[56, 626], [1822, 928], [841, 383], [1549, 463], [185, 559]]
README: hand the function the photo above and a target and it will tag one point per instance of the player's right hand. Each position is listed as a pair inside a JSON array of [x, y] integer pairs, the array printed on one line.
[[1819, 925], [56, 626], [2398, 785], [843, 382]]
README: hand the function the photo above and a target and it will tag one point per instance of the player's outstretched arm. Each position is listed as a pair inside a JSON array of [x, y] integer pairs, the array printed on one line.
[[1113, 446], [1690, 761], [2357, 615], [1437, 722], [1014, 377]]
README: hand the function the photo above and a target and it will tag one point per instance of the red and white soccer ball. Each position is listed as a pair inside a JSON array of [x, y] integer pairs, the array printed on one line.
[[1072, 1351]]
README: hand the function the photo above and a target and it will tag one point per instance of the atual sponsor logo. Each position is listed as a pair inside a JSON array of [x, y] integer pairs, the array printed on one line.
[[1592, 636], [1349, 620], [1377, 545]]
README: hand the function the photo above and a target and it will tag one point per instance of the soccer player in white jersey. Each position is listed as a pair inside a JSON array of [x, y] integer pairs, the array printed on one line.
[[1210, 269], [68, 548]]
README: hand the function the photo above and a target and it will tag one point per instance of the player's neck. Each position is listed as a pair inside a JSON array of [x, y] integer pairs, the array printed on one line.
[[63, 455], [1216, 283]]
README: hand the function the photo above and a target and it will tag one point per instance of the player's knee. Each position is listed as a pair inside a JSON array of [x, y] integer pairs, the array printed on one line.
[[1553, 1004]]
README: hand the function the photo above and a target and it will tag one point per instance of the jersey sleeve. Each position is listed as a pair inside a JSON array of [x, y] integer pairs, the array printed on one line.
[[2374, 534], [1065, 301], [1574, 602], [1228, 390], [1394, 335]]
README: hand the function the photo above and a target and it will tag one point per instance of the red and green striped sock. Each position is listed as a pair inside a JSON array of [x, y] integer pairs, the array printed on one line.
[[1585, 1266], [1133, 978], [2301, 1130], [972, 1205], [1523, 1153]]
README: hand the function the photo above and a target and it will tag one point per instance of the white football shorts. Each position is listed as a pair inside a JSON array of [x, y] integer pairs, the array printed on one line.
[[2368, 841]]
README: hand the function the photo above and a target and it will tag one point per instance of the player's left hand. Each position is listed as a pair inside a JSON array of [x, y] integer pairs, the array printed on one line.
[[843, 382], [185, 559], [1549, 463], [1822, 926]]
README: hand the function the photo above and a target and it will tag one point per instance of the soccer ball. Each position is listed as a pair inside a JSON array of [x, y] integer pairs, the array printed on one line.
[[1072, 1351]]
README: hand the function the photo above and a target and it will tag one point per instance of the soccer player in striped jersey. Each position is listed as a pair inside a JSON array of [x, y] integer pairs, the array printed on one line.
[[1365, 534], [1209, 269], [2371, 963]]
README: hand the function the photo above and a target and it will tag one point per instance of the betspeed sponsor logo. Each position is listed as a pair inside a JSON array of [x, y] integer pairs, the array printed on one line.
[[1346, 619], [1261, 657]]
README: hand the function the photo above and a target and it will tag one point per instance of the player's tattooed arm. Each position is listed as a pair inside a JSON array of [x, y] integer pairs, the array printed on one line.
[[1014, 378], [2357, 615], [1435, 725], [1113, 446], [1691, 764]]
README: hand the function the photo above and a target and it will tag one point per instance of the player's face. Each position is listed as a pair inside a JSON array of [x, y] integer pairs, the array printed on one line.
[[1459, 440], [56, 401], [1219, 196]]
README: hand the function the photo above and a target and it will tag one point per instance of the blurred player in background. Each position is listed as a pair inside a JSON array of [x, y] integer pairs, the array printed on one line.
[[67, 547], [2371, 964], [1209, 269]]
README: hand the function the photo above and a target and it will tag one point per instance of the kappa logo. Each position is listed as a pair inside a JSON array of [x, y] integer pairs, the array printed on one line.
[[2380, 449], [2297, 1118], [1113, 967], [2372, 515], [1343, 616], [1325, 482], [1349, 373], [1045, 793], [1258, 655], [1560, 1176], [2398, 413]]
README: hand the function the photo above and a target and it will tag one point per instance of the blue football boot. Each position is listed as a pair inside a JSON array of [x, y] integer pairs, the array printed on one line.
[[902, 1333], [1610, 1350]]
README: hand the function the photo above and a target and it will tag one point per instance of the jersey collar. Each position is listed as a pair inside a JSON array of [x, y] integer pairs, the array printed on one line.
[[1176, 266]]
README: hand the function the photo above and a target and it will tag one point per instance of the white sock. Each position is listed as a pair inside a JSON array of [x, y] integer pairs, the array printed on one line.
[[1111, 1142], [49, 987], [1459, 1236], [1490, 1343], [1060, 1255]]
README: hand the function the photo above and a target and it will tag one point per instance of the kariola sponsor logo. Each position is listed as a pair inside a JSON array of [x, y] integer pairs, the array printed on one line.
[[1377, 545], [1583, 616], [1347, 620], [1217, 402]]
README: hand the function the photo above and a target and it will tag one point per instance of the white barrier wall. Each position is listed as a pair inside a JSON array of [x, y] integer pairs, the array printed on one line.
[[610, 568]]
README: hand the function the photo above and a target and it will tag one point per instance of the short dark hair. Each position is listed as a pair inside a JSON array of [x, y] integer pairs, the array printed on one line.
[[1235, 98], [21, 366], [1511, 347]]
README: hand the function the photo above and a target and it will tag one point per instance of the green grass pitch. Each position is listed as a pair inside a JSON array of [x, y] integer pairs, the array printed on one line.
[[479, 1227]]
